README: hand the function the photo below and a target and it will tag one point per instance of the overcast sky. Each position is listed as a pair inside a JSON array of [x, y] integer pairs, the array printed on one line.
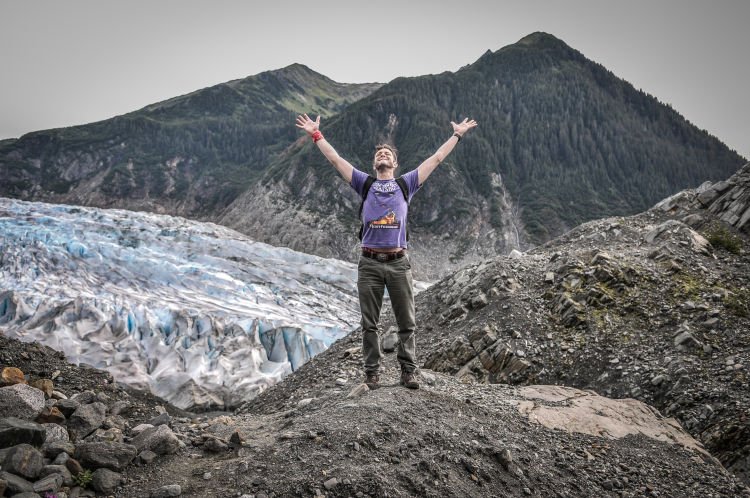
[[77, 61]]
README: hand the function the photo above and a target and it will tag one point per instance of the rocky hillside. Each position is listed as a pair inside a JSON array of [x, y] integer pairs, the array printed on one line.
[[69, 431], [190, 155], [654, 307], [561, 140]]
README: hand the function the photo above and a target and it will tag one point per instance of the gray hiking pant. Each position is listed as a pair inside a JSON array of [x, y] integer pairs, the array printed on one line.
[[372, 277]]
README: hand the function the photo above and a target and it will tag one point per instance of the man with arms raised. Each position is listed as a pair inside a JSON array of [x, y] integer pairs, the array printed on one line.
[[384, 262]]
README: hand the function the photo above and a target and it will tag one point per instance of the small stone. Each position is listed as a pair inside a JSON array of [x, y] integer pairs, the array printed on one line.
[[44, 385], [50, 415], [120, 407], [340, 382], [161, 419], [145, 457], [549, 277], [358, 391], [167, 491], [52, 483], [330, 483], [214, 445], [74, 466], [207, 476], [105, 480], [10, 376], [304, 402], [237, 438]]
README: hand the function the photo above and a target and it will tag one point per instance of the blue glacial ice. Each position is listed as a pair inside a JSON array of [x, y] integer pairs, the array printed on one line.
[[196, 312]]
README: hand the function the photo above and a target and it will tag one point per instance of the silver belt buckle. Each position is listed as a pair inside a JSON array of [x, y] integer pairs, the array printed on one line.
[[381, 256]]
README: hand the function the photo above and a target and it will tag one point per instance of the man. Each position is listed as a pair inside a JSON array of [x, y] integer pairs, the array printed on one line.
[[384, 262]]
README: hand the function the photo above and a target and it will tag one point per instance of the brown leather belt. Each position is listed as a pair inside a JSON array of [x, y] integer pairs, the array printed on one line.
[[383, 256]]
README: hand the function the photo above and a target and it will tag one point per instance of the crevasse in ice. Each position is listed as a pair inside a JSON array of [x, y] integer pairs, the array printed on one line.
[[198, 313]]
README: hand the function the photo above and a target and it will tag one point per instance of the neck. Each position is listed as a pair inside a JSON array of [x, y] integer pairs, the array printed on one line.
[[385, 175]]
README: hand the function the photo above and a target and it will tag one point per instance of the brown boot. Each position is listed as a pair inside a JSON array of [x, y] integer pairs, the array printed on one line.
[[409, 379], [372, 380]]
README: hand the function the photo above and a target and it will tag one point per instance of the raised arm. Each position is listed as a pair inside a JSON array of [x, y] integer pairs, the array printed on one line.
[[311, 127], [428, 166]]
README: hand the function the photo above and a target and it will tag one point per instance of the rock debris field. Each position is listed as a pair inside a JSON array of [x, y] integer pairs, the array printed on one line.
[[517, 355]]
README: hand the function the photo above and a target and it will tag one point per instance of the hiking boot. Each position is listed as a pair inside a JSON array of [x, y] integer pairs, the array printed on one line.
[[372, 381], [409, 379]]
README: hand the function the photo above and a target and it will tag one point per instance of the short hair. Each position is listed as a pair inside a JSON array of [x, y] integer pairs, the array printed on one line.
[[391, 148]]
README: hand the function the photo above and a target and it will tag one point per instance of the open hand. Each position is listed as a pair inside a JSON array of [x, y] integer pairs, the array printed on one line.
[[308, 124], [463, 126]]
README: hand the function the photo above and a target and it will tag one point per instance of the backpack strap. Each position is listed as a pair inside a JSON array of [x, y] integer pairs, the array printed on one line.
[[404, 190], [365, 190]]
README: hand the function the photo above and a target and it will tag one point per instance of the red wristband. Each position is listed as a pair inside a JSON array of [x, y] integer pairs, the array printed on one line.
[[316, 136]]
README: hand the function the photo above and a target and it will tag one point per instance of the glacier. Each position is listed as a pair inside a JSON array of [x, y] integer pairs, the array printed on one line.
[[198, 313]]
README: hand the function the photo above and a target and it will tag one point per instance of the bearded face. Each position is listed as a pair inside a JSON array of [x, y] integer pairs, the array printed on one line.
[[384, 161]]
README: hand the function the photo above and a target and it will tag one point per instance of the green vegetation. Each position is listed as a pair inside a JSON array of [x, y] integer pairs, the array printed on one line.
[[83, 479], [738, 302], [721, 237]]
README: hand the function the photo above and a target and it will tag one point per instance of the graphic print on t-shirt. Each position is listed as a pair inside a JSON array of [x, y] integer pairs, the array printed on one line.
[[387, 221]]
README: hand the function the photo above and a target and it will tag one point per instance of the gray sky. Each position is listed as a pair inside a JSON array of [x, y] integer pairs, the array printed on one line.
[[77, 61]]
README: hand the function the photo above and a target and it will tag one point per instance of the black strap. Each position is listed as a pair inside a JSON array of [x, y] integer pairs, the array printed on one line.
[[366, 190]]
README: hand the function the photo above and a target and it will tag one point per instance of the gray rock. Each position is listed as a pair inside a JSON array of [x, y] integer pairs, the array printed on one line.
[[84, 397], [167, 491], [161, 440], [331, 483], [105, 480], [24, 460], [15, 431], [67, 406], [16, 484], [161, 419], [140, 428], [21, 401], [58, 469], [86, 419], [54, 448], [113, 435], [55, 433], [114, 456], [51, 482], [62, 458], [145, 457], [120, 407], [215, 445]]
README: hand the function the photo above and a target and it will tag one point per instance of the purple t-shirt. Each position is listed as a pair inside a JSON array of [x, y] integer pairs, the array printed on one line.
[[385, 210]]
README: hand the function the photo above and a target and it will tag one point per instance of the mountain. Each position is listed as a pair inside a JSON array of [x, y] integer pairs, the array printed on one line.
[[194, 312], [190, 155], [561, 140]]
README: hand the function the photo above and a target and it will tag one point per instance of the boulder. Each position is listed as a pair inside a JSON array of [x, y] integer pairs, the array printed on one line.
[[15, 431], [21, 401], [161, 440], [114, 456]]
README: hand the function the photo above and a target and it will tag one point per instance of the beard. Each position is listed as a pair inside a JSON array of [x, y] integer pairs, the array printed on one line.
[[383, 165]]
